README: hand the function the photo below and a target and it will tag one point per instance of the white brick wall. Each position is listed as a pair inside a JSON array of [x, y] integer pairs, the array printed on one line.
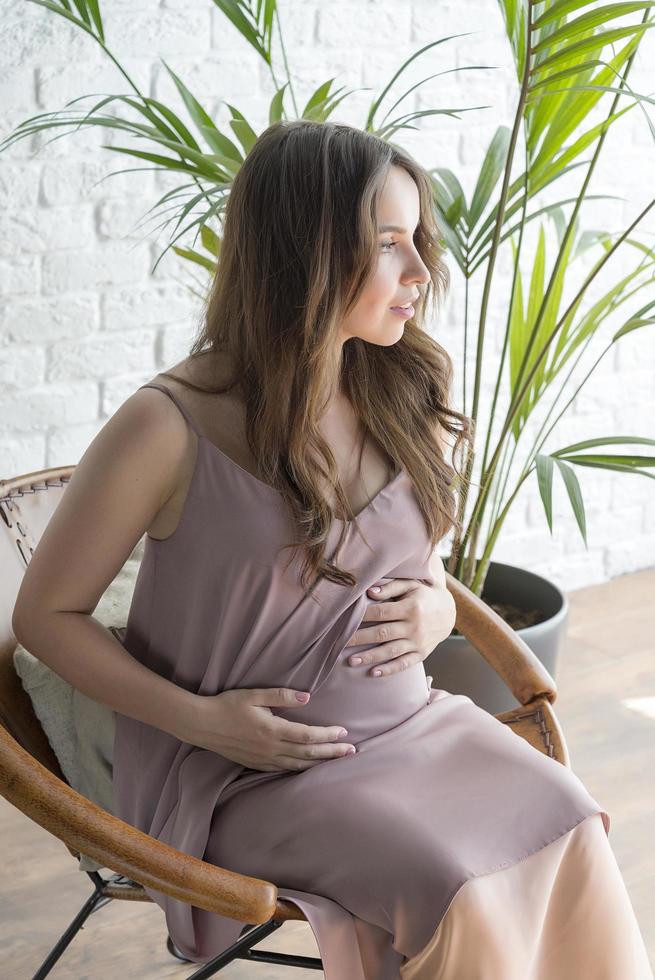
[[83, 321]]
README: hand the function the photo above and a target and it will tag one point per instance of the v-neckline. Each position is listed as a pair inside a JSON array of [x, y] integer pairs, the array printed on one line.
[[267, 486]]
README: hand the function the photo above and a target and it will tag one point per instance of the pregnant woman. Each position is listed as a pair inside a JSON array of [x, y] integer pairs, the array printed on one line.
[[294, 460]]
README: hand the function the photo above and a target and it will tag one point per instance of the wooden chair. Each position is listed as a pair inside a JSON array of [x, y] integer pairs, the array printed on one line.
[[32, 780]]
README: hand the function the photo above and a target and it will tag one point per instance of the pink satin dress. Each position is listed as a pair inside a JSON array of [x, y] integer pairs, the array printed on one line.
[[445, 847]]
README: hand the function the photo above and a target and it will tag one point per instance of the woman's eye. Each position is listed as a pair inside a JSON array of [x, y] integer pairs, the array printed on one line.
[[388, 245]]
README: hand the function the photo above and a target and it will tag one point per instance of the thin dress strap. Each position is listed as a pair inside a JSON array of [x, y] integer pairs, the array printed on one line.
[[174, 398]]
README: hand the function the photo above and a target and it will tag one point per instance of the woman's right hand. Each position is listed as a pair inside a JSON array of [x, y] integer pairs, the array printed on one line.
[[239, 725]]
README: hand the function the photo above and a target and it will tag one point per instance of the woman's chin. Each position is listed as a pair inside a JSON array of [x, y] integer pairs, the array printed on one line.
[[384, 336], [392, 337], [388, 335]]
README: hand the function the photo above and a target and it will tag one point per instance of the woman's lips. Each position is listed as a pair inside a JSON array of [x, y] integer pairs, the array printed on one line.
[[406, 311]]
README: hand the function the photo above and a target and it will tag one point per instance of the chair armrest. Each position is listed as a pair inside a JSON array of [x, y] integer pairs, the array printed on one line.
[[115, 844], [501, 646]]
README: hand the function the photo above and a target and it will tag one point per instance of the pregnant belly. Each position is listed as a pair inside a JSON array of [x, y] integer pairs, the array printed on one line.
[[363, 704]]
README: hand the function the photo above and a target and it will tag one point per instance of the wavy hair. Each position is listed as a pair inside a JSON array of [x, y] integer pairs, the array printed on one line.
[[299, 243]]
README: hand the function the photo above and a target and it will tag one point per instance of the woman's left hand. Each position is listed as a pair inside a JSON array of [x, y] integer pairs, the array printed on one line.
[[408, 628]]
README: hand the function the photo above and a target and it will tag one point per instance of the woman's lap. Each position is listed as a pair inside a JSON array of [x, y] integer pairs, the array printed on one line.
[[394, 831]]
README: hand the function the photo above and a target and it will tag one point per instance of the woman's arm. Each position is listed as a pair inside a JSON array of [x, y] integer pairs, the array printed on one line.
[[123, 479]]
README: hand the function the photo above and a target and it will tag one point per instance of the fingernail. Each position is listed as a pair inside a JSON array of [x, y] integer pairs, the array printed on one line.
[[356, 660], [377, 673], [343, 733], [375, 588], [302, 697]]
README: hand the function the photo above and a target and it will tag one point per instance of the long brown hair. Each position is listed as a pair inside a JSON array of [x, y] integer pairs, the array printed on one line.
[[299, 243]]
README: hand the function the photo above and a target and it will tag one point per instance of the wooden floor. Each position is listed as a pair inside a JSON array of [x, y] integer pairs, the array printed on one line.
[[606, 704]]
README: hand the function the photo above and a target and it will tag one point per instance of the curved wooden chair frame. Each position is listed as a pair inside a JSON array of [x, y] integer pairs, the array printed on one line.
[[32, 780]]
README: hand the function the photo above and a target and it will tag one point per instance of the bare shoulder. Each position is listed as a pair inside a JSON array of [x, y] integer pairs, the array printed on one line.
[[151, 423]]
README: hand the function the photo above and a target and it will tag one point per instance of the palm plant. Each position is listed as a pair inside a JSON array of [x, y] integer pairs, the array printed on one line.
[[556, 60]]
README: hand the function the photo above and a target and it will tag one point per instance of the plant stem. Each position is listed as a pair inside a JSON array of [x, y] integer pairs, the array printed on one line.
[[458, 564], [516, 274], [284, 59], [466, 342], [457, 536], [478, 580], [505, 469]]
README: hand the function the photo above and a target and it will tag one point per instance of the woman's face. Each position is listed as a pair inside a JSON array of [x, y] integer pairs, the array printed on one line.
[[400, 270]]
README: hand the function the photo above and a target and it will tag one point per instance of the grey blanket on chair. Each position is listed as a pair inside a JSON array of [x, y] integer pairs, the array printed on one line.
[[79, 729]]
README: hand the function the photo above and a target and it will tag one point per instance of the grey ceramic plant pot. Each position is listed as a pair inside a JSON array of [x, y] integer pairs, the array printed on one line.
[[456, 666]]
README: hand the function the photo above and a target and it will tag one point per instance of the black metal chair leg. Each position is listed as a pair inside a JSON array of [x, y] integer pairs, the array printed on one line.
[[250, 936], [241, 950], [94, 902]]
